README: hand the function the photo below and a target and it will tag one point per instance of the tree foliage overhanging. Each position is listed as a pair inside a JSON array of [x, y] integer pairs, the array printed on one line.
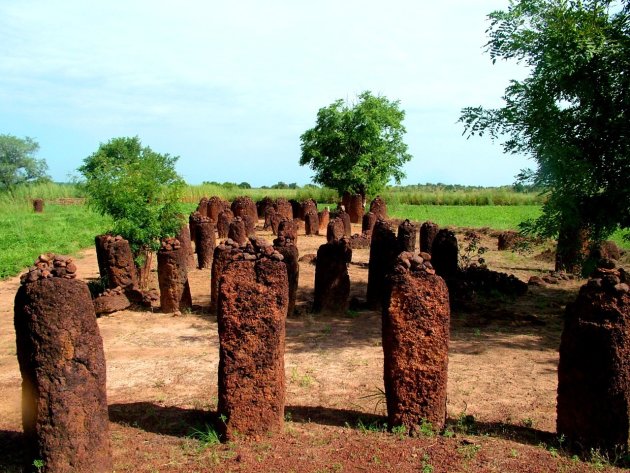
[[357, 148], [138, 188], [571, 113], [18, 164]]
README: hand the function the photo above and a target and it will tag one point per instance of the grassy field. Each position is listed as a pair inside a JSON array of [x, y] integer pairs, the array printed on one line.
[[64, 229]]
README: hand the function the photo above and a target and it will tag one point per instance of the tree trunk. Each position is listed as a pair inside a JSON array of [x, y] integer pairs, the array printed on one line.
[[572, 248], [144, 268]]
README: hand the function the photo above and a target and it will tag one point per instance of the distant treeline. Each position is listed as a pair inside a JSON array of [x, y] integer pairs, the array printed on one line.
[[418, 194]]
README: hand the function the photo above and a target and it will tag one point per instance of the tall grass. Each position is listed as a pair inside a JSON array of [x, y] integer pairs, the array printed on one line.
[[195, 193], [489, 196], [47, 191]]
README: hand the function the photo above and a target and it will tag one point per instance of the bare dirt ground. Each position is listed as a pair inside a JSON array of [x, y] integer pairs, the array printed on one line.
[[162, 384]]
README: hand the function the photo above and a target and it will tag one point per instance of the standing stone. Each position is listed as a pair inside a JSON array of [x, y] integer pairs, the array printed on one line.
[[345, 218], [379, 208], [238, 231], [284, 208], [223, 223], [184, 238], [307, 206], [594, 368], [288, 229], [244, 206], [60, 353], [367, 225], [445, 254], [121, 270], [335, 230], [222, 256], [202, 207], [332, 283], [324, 218], [407, 234], [296, 208], [173, 276], [205, 242], [276, 218], [253, 299], [291, 257], [354, 207], [428, 231], [311, 221], [416, 318], [215, 206], [262, 206], [270, 212], [193, 220], [100, 242], [383, 254], [250, 225], [38, 205]]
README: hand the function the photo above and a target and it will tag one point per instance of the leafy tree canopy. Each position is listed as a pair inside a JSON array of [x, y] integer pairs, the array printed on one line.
[[138, 188], [358, 147], [18, 164], [571, 113]]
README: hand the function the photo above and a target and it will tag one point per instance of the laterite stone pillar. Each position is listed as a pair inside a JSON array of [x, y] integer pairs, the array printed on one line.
[[383, 253], [205, 242], [332, 283], [173, 277]]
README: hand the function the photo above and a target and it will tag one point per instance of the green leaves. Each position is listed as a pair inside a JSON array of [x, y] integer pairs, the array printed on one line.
[[357, 148], [138, 188], [18, 164]]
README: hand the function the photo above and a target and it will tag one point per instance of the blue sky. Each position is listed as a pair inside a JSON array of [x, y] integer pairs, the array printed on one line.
[[230, 86]]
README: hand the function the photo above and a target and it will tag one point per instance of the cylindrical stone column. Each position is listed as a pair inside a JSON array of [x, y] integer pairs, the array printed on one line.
[[270, 212], [238, 231], [379, 208], [291, 256], [594, 369], [307, 206], [215, 206], [244, 206], [311, 221], [173, 277], [202, 207], [205, 242], [324, 218], [407, 234], [332, 283], [284, 208], [250, 225], [38, 205], [288, 229], [121, 270], [223, 223], [253, 300], [355, 208], [416, 318], [262, 206], [335, 230], [383, 254], [428, 231], [367, 225], [100, 242], [60, 353], [184, 238], [445, 254], [222, 255], [345, 218]]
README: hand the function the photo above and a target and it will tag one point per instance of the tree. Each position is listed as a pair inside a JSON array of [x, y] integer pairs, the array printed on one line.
[[357, 148], [140, 190], [571, 114], [18, 164]]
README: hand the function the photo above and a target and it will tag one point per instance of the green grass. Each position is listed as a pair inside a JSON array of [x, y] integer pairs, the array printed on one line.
[[62, 229]]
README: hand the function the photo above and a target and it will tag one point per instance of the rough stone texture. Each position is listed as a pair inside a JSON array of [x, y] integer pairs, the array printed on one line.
[[416, 318], [367, 225], [244, 206], [193, 219], [355, 208], [284, 208], [332, 283], [184, 238], [276, 218], [264, 204], [428, 231], [121, 270], [253, 300], [38, 205], [270, 213], [407, 232], [110, 301], [379, 208], [101, 254], [288, 229], [359, 241], [345, 218], [311, 223], [223, 223], [222, 255], [202, 207], [605, 250], [238, 231], [383, 253], [299, 224], [507, 240], [335, 230], [296, 208], [172, 270], [291, 257], [445, 253], [60, 353], [216, 205], [307, 206], [205, 242], [594, 369], [324, 218], [250, 225]]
